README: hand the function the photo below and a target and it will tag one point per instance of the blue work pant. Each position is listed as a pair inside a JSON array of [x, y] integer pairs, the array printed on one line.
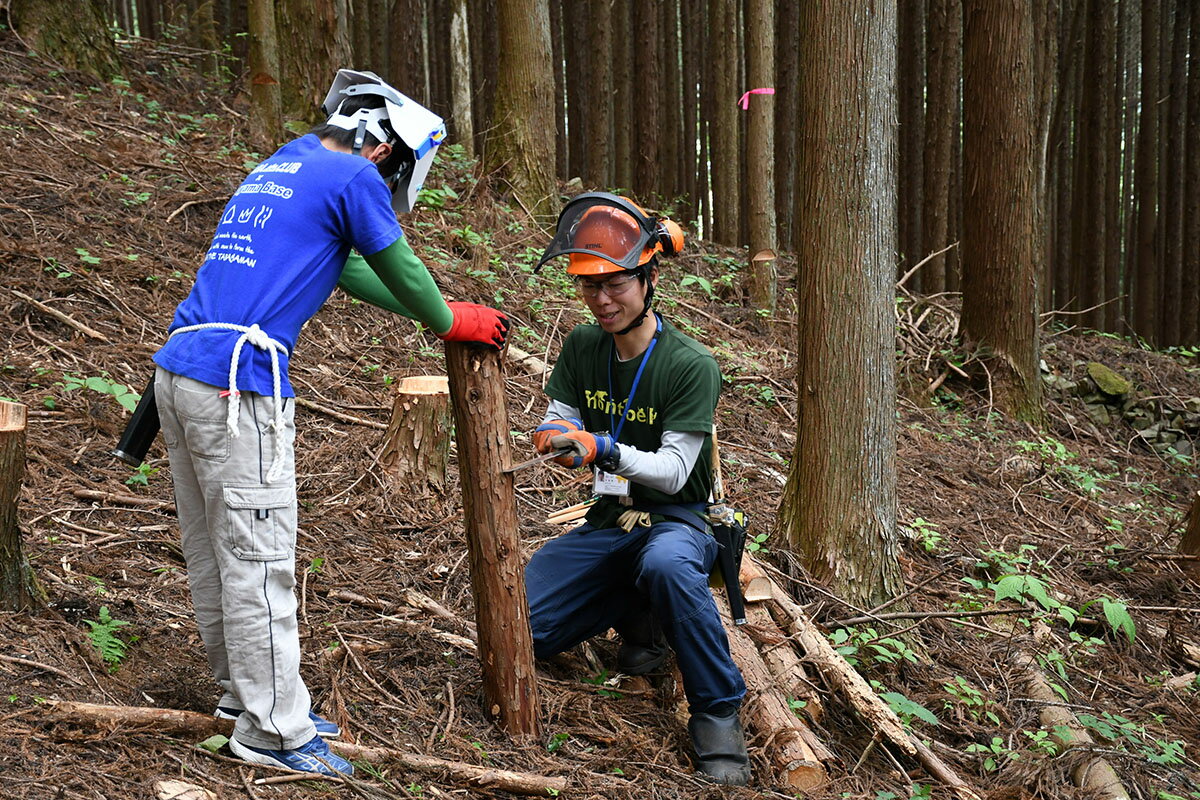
[[585, 581]]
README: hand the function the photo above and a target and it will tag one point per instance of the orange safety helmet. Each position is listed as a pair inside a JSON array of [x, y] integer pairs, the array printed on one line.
[[602, 233]]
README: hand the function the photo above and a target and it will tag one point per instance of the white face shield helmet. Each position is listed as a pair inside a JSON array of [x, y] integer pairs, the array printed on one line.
[[413, 131]]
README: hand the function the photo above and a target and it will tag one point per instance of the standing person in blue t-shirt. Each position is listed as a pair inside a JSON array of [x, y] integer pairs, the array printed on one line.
[[224, 397], [634, 397]]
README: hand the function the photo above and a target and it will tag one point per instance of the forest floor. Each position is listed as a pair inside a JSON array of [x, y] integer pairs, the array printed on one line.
[[111, 194]]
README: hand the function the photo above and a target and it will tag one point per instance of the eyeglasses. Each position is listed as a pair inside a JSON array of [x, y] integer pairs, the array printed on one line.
[[613, 287]]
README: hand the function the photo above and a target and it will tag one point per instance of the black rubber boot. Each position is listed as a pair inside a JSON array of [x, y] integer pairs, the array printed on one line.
[[643, 647], [720, 747]]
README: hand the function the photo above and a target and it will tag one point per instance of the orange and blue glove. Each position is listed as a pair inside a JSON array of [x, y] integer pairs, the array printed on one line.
[[476, 324], [543, 433], [586, 446]]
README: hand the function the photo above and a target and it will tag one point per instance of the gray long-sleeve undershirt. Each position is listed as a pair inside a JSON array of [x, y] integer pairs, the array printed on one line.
[[666, 469]]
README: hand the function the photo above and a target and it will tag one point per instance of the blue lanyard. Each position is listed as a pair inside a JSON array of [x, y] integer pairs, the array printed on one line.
[[612, 423]]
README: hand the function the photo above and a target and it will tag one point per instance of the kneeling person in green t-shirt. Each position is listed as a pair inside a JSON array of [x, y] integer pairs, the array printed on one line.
[[634, 398]]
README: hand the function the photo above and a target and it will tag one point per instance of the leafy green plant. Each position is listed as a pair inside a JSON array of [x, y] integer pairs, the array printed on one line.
[[104, 637], [970, 698], [86, 257], [757, 543], [995, 753], [103, 385], [926, 533], [142, 475], [1116, 614], [601, 682], [699, 280], [907, 710], [556, 741]]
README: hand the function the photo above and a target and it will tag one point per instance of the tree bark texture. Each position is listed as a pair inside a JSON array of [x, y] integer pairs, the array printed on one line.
[[1189, 543], [416, 448], [624, 102], [943, 47], [557, 60], [315, 44], [725, 153], [760, 155], [460, 81], [577, 57], [266, 108], [1174, 171], [839, 503], [18, 587], [910, 90], [1146, 179], [597, 150], [519, 145], [646, 116], [406, 56], [74, 34], [1189, 316], [670, 144], [1000, 254], [493, 545], [690, 58], [787, 55]]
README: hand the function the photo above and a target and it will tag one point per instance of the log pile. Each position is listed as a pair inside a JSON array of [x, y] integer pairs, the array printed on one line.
[[772, 651]]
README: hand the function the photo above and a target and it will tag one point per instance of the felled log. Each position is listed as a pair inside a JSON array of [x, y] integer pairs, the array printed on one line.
[[782, 660], [756, 586], [477, 397], [197, 725], [863, 699], [766, 712], [415, 452]]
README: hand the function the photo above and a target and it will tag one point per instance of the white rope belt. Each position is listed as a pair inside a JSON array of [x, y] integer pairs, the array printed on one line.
[[256, 336]]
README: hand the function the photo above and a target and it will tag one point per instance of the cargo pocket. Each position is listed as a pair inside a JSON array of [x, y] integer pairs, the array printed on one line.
[[202, 416], [262, 522]]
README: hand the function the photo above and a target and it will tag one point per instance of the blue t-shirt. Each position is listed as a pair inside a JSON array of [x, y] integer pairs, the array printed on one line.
[[276, 257]]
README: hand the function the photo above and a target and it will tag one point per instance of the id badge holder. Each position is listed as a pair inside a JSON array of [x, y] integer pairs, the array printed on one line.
[[607, 483]]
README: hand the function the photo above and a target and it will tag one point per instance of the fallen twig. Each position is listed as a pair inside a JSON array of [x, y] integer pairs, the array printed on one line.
[[91, 333]]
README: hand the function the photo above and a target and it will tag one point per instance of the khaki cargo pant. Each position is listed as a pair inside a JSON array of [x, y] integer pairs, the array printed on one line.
[[239, 541]]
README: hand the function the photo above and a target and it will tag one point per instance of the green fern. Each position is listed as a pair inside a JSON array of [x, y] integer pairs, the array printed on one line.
[[105, 639]]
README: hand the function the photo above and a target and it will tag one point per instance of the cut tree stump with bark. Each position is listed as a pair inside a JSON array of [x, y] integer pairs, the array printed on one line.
[[201, 726], [477, 396], [415, 453], [18, 586]]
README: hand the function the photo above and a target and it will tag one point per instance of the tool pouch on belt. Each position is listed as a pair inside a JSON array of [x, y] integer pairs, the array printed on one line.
[[729, 529]]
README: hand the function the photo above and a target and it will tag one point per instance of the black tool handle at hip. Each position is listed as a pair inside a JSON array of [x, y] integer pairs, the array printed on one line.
[[727, 561], [140, 432]]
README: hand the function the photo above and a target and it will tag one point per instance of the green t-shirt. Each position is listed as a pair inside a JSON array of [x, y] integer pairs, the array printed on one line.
[[678, 391]]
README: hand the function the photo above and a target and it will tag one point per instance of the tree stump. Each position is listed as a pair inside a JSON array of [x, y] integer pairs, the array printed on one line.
[[415, 453], [493, 544], [18, 586]]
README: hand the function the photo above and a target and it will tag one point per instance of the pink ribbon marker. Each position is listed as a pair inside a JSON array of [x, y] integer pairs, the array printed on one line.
[[745, 101]]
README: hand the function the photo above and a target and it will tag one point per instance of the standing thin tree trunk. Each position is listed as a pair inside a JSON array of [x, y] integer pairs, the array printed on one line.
[[557, 59], [18, 587], [1112, 180], [1000, 254], [839, 505], [724, 156], [647, 118], [692, 59], [598, 91], [518, 148], [1174, 170], [266, 108], [910, 89], [670, 171], [944, 43], [1063, 147], [1046, 20], [1089, 209], [1130, 36], [624, 100], [1189, 318], [787, 58], [575, 40], [760, 156], [1146, 179], [460, 80], [493, 544]]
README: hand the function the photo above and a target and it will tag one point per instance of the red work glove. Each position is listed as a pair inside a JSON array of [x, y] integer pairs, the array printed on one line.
[[550, 428], [476, 324], [587, 447]]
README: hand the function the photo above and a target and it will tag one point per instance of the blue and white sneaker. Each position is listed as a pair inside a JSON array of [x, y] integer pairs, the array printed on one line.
[[312, 756], [325, 728]]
